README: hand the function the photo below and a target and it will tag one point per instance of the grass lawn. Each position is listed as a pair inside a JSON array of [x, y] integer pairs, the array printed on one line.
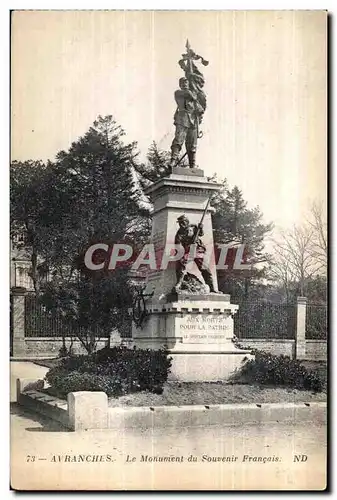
[[210, 393]]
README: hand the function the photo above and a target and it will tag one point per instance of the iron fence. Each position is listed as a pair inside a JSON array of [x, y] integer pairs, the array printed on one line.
[[316, 321], [265, 320], [42, 323]]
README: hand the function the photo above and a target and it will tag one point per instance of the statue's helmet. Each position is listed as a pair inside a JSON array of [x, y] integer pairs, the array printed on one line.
[[183, 218]]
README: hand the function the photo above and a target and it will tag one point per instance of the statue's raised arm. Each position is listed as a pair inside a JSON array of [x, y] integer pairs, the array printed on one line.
[[191, 105]]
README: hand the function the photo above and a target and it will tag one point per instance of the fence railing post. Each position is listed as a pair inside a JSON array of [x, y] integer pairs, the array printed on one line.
[[18, 321], [300, 327]]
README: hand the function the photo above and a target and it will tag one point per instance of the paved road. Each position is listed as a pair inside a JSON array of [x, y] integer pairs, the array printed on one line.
[[105, 455]]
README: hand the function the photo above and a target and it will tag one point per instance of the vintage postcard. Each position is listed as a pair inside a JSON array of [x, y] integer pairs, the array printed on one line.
[[168, 206]]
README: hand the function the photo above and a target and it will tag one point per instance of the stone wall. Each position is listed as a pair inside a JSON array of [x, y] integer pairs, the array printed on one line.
[[38, 347], [316, 350], [274, 346]]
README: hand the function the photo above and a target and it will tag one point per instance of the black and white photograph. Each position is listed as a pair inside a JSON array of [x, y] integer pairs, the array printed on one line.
[[168, 250]]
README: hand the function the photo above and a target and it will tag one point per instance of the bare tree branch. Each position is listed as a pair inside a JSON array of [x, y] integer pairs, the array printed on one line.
[[300, 253]]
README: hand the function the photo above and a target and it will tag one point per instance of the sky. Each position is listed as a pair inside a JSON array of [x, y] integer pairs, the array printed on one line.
[[265, 127]]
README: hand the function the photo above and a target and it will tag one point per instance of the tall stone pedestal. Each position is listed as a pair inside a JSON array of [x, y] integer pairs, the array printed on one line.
[[197, 328]]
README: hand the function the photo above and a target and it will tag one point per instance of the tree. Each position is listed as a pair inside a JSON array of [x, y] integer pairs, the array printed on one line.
[[234, 222], [317, 290], [319, 242], [296, 262], [93, 197], [156, 166], [90, 306], [100, 204], [31, 200], [299, 262], [97, 172]]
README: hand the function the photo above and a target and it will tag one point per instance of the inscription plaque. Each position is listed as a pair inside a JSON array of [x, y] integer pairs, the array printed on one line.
[[205, 328]]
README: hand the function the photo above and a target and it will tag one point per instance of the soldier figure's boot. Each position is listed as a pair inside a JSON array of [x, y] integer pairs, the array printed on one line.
[[208, 278], [180, 279], [191, 159], [174, 156]]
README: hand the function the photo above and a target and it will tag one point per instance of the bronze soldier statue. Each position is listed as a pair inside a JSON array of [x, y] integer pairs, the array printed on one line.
[[186, 119], [191, 105], [187, 235]]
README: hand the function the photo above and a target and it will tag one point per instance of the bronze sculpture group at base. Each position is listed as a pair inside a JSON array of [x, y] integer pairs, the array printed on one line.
[[188, 235]]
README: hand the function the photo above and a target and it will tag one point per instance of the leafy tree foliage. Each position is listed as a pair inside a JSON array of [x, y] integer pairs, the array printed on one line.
[[156, 166], [234, 222], [31, 199], [88, 195]]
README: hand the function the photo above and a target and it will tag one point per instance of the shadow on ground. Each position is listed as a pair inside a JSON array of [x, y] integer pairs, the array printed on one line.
[[45, 424]]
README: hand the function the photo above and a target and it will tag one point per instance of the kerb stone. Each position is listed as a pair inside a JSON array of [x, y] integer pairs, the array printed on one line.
[[28, 384], [88, 410]]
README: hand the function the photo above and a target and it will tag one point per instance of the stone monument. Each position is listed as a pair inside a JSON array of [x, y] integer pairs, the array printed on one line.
[[184, 311]]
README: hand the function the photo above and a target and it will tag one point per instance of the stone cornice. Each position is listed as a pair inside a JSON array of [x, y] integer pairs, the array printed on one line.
[[200, 307], [182, 206], [182, 184]]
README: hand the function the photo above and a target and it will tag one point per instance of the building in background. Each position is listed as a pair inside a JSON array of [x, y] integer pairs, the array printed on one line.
[[19, 266]]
